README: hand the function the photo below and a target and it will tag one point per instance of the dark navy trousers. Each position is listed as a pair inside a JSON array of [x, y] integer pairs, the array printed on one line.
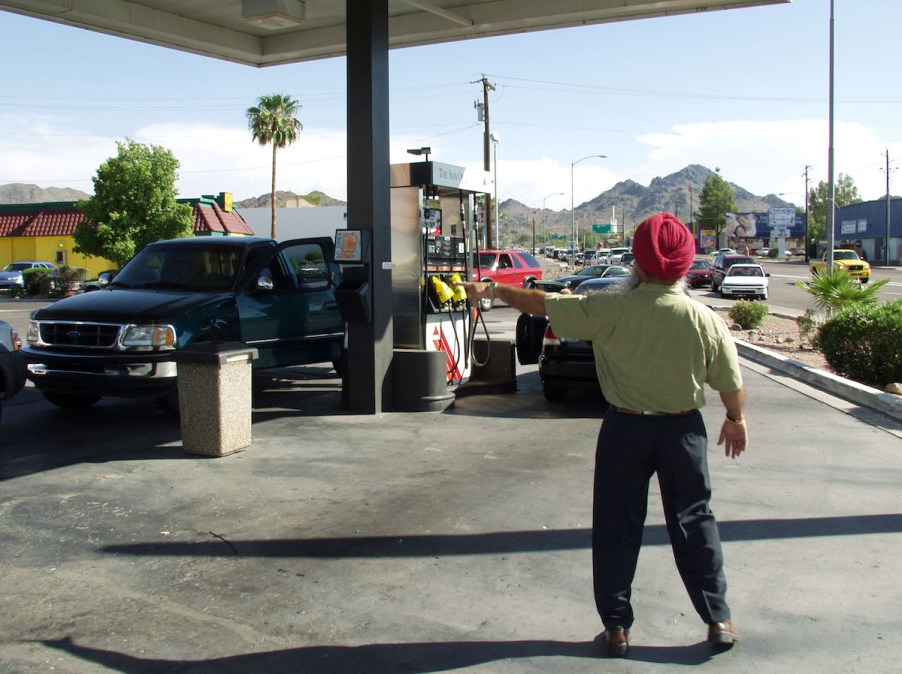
[[631, 448]]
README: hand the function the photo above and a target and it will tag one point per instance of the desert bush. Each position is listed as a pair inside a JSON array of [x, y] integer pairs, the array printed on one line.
[[808, 325], [748, 315], [66, 280], [37, 281], [863, 342]]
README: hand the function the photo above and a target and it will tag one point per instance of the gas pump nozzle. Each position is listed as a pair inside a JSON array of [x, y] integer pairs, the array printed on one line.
[[460, 295], [443, 291]]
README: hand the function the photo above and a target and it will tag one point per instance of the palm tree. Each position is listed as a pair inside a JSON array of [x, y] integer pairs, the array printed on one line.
[[274, 120], [834, 290]]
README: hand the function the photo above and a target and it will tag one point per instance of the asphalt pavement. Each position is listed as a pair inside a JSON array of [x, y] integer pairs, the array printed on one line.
[[431, 542]]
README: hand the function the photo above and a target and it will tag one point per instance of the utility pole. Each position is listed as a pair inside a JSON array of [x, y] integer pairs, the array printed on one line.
[[691, 218], [483, 116], [806, 243]]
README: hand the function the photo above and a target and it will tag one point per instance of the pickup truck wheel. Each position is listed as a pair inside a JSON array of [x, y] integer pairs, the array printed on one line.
[[70, 401], [553, 393], [170, 401], [486, 304]]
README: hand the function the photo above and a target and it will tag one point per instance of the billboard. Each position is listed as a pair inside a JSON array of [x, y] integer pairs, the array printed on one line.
[[760, 225]]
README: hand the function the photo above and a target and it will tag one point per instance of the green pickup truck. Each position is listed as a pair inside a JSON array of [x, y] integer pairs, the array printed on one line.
[[844, 259], [121, 341]]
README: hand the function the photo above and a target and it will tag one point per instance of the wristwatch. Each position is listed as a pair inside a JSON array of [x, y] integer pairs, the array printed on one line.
[[492, 290]]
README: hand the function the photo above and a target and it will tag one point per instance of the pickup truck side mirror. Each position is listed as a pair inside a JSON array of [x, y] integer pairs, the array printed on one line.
[[265, 282]]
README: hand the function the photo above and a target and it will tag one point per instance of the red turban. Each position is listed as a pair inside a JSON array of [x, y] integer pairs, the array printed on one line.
[[663, 246]]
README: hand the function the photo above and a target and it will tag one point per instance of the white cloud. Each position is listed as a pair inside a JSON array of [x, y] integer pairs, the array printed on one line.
[[763, 157], [770, 157]]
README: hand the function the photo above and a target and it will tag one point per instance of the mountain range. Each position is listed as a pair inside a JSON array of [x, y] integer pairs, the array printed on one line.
[[628, 200], [632, 203]]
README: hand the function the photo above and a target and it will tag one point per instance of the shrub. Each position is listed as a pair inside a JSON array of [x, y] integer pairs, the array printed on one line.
[[807, 325], [864, 343], [65, 281], [37, 281], [748, 315]]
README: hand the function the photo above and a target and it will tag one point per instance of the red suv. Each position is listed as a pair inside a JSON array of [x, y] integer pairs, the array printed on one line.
[[512, 267]]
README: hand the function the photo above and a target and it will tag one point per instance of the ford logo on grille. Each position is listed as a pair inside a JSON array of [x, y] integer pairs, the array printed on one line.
[[74, 334]]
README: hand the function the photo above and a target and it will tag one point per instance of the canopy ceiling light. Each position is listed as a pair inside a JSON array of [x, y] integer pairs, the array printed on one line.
[[273, 14]]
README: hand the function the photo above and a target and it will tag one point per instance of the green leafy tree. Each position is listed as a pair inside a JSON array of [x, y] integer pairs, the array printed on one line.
[[715, 202], [844, 193], [134, 204], [274, 120]]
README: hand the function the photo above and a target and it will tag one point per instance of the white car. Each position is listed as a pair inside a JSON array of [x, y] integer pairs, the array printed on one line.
[[617, 253], [745, 280], [601, 256]]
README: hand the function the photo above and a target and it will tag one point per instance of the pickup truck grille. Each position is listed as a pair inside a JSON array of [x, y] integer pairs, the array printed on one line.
[[80, 335]]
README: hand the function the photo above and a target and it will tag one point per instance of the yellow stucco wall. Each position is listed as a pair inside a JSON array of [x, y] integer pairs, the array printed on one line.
[[15, 248]]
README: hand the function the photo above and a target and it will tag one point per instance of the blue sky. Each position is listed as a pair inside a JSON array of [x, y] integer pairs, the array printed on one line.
[[743, 90]]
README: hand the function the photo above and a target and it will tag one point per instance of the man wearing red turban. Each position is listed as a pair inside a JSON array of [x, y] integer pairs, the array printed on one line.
[[655, 349]]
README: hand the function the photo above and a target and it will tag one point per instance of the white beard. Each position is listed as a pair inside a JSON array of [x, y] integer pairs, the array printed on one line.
[[633, 282]]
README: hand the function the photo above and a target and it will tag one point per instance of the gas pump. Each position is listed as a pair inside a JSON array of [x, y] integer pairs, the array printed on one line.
[[431, 206]]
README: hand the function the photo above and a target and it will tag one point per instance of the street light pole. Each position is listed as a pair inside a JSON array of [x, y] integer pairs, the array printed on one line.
[[495, 138], [572, 206], [544, 226], [831, 186]]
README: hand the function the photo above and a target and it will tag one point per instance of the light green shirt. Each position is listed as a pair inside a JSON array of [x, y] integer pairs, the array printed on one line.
[[655, 347]]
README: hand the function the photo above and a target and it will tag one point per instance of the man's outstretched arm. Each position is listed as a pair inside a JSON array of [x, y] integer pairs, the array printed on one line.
[[527, 300]]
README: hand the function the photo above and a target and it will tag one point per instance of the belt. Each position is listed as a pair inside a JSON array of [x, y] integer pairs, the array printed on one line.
[[623, 410]]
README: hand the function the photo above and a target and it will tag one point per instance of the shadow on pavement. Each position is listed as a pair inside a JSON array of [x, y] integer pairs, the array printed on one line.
[[399, 658]]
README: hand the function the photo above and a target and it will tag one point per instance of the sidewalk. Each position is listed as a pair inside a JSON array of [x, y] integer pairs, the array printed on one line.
[[436, 542]]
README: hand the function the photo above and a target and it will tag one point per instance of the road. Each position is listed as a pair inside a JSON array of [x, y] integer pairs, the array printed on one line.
[[784, 293]]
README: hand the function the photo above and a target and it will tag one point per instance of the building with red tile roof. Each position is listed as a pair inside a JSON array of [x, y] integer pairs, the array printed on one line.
[[45, 231]]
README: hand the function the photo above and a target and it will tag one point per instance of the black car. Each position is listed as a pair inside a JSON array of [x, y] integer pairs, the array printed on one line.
[[12, 364], [102, 281], [564, 363], [574, 280]]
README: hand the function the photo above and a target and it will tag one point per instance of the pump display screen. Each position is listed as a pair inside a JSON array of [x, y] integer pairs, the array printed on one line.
[[348, 245]]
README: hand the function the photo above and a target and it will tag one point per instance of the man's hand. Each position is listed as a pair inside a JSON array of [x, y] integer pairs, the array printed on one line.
[[475, 290], [527, 300], [734, 438]]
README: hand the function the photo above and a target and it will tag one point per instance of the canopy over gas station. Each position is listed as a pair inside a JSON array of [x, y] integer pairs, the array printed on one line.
[[271, 32]]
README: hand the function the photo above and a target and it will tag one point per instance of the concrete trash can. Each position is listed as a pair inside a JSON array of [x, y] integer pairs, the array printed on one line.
[[214, 385], [420, 381]]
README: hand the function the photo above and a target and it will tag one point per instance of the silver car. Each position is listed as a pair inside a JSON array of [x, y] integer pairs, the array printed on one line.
[[13, 273]]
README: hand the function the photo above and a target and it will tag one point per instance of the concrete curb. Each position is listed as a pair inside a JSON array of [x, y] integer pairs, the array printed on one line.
[[860, 394]]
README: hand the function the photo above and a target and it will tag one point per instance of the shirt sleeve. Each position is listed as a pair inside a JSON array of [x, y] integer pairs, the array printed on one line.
[[723, 360]]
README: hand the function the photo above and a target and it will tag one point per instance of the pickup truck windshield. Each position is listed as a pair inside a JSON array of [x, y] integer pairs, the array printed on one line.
[[845, 255], [207, 268]]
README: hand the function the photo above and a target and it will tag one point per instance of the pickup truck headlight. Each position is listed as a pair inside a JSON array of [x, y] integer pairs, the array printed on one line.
[[33, 336], [147, 337]]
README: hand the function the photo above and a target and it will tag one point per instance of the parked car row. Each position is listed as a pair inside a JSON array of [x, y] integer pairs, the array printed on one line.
[[591, 255]]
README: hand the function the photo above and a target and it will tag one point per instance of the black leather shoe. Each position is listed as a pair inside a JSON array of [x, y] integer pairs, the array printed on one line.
[[722, 635], [617, 642]]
